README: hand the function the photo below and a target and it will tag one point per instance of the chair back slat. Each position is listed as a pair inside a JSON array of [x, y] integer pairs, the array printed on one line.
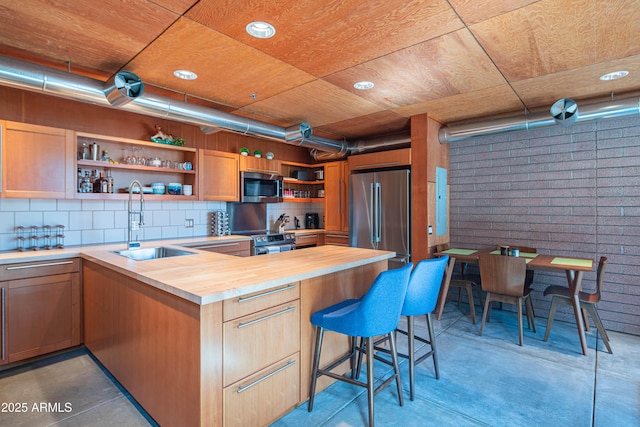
[[602, 267], [502, 274]]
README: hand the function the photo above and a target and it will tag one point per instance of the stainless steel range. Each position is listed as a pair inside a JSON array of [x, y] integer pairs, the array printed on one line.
[[262, 244]]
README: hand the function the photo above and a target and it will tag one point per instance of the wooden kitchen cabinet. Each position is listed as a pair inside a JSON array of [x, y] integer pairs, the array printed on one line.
[[261, 354], [36, 161], [218, 176], [307, 240], [336, 182], [382, 159], [123, 173], [336, 238], [260, 165], [41, 304]]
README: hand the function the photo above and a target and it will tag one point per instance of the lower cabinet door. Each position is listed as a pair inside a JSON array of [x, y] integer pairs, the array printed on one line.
[[42, 315], [265, 396]]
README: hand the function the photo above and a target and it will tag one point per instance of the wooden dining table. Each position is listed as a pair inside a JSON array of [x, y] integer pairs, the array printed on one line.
[[573, 268]]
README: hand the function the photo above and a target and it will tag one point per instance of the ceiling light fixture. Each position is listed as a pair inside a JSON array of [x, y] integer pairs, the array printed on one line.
[[363, 85], [261, 30], [185, 74], [614, 75]]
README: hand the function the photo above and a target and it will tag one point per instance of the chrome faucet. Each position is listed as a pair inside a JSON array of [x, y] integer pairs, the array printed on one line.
[[140, 213]]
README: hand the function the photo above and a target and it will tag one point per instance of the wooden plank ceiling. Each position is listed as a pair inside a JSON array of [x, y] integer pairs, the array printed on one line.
[[456, 60]]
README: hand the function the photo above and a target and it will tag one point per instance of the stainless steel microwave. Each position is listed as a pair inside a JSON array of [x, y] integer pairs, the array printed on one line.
[[260, 187]]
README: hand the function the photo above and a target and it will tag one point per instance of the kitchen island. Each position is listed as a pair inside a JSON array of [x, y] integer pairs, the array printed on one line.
[[207, 339]]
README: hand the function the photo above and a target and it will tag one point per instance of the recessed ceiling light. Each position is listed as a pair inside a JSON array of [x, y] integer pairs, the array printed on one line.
[[615, 75], [261, 30], [185, 74], [363, 85]]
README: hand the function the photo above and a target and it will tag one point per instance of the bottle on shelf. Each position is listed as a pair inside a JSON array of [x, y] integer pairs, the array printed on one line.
[[104, 187], [109, 181], [97, 182], [80, 179]]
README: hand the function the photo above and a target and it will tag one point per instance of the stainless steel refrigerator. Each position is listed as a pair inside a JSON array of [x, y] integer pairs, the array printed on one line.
[[379, 213]]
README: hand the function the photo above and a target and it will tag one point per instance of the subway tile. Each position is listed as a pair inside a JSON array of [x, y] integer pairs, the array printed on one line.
[[28, 219], [72, 237], [91, 237], [13, 205], [43, 205], [170, 232], [177, 218], [7, 223], [56, 218], [161, 218], [103, 220], [80, 221], [92, 205], [150, 233], [69, 205]]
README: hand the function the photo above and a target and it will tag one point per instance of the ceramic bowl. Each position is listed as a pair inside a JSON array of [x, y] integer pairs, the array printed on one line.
[[174, 188], [157, 187]]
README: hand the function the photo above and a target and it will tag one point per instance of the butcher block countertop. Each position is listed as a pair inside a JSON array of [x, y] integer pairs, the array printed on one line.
[[207, 277]]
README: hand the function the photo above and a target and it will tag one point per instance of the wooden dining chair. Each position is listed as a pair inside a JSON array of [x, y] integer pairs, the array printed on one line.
[[588, 301], [462, 283], [503, 280], [528, 279]]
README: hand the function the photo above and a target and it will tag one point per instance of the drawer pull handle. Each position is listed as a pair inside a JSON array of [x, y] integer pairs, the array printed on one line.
[[244, 388], [286, 310], [312, 236], [215, 246], [264, 294], [3, 327], [49, 264], [337, 236]]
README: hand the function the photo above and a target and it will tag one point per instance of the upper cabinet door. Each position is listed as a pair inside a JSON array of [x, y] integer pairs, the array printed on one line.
[[36, 162], [219, 176], [336, 181]]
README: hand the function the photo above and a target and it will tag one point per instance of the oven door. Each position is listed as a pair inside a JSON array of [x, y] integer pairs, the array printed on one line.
[[260, 188]]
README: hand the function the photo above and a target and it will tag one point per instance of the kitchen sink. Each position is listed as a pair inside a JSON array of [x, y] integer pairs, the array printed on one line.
[[144, 254]]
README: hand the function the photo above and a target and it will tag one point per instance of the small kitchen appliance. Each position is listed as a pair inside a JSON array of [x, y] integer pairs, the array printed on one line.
[[312, 220]]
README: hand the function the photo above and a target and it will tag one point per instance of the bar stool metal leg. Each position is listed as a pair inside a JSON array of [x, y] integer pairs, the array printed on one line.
[[316, 363]]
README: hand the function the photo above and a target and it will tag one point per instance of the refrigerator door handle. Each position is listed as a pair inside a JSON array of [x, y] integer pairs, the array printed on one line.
[[378, 212], [372, 219]]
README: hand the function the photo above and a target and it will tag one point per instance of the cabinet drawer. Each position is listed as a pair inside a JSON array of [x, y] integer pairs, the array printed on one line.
[[303, 240], [230, 248], [247, 304], [265, 396], [336, 239], [253, 342], [39, 268]]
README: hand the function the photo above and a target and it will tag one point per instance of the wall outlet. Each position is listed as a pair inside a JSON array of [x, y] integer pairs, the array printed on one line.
[[430, 230], [188, 223]]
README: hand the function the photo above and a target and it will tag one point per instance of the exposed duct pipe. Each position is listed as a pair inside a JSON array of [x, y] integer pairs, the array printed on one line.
[[609, 109], [27, 76], [365, 146]]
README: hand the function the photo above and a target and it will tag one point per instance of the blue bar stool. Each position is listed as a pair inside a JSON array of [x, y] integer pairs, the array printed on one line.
[[421, 299], [376, 313]]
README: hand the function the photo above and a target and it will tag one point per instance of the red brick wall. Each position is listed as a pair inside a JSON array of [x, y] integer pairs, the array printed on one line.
[[563, 190]]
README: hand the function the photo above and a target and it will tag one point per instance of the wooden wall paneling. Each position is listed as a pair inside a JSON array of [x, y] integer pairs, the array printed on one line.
[[419, 189], [438, 156]]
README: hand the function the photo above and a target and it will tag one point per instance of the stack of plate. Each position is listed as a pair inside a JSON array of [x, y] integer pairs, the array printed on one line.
[[219, 223]]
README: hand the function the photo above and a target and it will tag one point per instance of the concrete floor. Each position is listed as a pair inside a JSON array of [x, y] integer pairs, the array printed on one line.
[[484, 380]]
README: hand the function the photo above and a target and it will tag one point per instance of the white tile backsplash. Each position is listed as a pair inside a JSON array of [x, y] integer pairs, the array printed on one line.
[[103, 221]]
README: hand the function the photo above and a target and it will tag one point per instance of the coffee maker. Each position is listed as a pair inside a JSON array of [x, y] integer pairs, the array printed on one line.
[[311, 220]]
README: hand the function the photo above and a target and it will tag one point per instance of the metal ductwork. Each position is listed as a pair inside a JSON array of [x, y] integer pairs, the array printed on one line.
[[123, 92], [602, 110], [360, 146]]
